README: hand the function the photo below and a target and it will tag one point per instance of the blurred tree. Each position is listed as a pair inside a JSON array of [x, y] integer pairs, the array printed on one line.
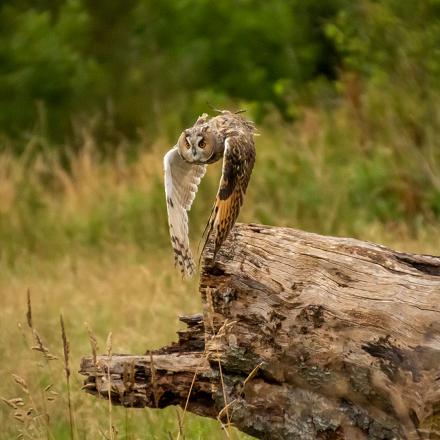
[[395, 47], [128, 61], [117, 66], [45, 77]]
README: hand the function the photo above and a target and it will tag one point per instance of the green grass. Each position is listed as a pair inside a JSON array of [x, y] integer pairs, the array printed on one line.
[[92, 243]]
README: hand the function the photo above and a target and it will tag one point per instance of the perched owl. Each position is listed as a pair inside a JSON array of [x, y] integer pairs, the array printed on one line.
[[226, 135]]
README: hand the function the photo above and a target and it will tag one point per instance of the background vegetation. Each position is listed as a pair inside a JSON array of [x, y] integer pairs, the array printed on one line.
[[93, 93]]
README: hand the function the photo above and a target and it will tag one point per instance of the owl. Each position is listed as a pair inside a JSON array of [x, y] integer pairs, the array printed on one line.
[[228, 136]]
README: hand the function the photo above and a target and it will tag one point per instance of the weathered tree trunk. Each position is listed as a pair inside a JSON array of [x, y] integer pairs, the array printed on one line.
[[302, 337]]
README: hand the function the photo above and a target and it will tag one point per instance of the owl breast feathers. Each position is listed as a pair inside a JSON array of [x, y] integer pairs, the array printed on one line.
[[227, 135]]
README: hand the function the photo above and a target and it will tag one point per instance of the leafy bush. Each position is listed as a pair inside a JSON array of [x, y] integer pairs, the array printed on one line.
[[132, 62], [44, 73]]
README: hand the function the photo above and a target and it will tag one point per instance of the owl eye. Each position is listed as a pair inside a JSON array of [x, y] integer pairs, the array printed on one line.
[[202, 143], [187, 145]]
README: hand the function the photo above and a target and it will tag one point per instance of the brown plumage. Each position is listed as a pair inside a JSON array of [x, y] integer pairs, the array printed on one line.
[[227, 135]]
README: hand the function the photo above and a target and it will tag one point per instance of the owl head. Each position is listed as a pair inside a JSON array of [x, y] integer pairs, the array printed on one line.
[[197, 144]]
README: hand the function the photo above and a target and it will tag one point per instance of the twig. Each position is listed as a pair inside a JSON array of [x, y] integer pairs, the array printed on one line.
[[203, 359], [29, 310], [252, 374], [66, 352], [226, 407], [110, 406], [153, 380], [93, 343], [180, 424]]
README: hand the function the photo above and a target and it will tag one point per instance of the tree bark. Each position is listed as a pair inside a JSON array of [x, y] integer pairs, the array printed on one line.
[[302, 337]]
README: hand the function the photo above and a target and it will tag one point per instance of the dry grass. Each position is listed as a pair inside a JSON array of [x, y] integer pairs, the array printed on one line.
[[89, 240], [66, 353], [137, 300], [141, 310]]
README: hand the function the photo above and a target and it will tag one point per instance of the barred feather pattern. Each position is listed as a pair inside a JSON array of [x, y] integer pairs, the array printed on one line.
[[238, 162], [228, 136], [181, 183]]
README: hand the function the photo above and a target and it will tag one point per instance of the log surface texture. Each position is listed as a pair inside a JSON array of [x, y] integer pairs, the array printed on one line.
[[304, 336]]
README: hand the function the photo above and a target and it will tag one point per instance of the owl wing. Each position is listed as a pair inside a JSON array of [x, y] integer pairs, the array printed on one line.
[[238, 162], [181, 184]]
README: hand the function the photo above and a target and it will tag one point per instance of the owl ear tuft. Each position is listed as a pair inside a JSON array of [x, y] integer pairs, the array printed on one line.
[[202, 119]]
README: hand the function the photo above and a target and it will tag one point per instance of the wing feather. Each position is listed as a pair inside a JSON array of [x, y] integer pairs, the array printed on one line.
[[238, 162], [181, 183]]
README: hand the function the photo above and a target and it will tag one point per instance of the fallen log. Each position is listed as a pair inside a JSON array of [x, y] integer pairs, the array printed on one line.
[[302, 337]]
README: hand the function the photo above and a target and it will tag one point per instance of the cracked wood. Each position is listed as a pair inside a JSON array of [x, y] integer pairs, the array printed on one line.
[[318, 338]]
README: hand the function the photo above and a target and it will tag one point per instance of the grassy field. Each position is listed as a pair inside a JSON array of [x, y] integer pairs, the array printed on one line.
[[88, 238]]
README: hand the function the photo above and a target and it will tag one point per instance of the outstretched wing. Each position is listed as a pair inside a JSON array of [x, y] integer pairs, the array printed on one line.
[[181, 184], [238, 162]]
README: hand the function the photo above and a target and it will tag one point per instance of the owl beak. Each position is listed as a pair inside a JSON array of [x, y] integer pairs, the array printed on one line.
[[194, 151]]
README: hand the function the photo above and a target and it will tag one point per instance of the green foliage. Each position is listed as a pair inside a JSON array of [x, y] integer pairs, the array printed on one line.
[[395, 47], [125, 62], [43, 70], [120, 67], [390, 39]]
